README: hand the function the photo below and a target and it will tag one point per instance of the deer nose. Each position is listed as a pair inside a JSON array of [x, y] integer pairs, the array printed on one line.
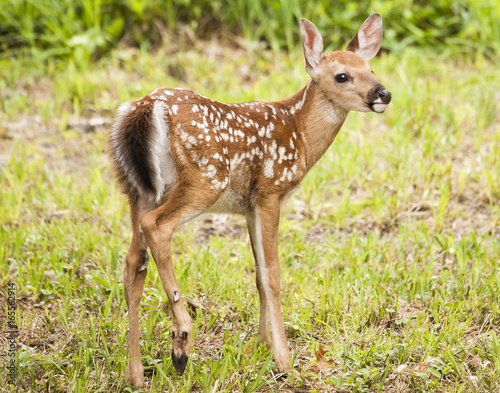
[[384, 95]]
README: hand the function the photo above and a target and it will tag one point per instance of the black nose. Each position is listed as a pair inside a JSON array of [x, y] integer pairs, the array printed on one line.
[[384, 95], [379, 94]]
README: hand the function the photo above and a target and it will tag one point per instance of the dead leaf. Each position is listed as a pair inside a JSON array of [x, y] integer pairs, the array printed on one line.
[[322, 365]]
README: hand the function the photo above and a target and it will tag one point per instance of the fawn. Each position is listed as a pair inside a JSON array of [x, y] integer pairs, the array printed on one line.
[[178, 154]]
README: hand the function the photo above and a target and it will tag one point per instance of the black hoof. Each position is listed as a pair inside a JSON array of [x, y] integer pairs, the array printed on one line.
[[179, 362]]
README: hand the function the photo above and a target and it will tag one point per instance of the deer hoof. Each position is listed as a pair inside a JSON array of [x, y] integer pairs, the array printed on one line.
[[179, 362]]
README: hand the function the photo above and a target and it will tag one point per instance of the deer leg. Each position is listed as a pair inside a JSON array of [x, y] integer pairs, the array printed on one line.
[[158, 226], [133, 280], [265, 334], [266, 217]]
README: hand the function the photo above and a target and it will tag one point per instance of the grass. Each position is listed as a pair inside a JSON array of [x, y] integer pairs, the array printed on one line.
[[389, 249], [83, 30]]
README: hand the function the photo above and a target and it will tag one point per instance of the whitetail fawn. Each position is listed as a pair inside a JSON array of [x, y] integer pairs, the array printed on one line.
[[178, 154]]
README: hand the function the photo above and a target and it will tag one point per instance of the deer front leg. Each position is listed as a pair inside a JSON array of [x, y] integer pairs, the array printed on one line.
[[263, 227], [133, 280]]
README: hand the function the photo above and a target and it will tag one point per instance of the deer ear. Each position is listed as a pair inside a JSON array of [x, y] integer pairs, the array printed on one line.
[[312, 43], [366, 43]]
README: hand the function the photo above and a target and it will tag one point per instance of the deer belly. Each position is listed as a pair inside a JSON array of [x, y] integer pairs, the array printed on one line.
[[235, 199], [230, 202]]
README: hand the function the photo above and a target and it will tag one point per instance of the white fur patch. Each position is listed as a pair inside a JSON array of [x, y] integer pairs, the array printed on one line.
[[259, 251], [300, 104], [144, 266], [281, 152], [379, 108], [165, 172], [269, 168]]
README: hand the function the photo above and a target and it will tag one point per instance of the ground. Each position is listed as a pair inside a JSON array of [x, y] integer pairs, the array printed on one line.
[[389, 249]]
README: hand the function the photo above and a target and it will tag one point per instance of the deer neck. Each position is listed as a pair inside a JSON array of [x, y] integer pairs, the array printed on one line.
[[317, 119]]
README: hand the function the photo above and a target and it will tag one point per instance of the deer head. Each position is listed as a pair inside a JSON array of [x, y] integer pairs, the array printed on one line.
[[345, 77]]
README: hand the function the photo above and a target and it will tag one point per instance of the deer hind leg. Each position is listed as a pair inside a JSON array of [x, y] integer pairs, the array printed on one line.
[[158, 225], [133, 280], [264, 234]]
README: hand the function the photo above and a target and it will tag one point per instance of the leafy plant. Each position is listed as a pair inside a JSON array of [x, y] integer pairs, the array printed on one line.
[[86, 29]]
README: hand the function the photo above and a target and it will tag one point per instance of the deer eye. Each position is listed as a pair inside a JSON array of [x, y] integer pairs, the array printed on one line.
[[341, 78]]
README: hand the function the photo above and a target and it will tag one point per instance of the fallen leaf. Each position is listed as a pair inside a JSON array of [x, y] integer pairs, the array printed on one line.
[[322, 365]]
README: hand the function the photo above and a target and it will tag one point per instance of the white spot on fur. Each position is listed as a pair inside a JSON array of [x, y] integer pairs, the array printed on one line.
[[211, 172], [269, 168], [269, 129], [203, 161], [272, 150], [281, 152]]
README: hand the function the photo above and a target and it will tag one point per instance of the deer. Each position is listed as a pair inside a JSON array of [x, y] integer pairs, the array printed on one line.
[[177, 154]]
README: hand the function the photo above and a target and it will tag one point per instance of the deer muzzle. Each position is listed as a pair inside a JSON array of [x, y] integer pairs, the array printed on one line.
[[378, 98]]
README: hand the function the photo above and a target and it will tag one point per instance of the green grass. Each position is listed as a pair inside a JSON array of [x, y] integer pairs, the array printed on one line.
[[389, 249]]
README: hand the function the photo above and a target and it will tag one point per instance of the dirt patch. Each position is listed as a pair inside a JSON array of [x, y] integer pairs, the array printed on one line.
[[223, 225]]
